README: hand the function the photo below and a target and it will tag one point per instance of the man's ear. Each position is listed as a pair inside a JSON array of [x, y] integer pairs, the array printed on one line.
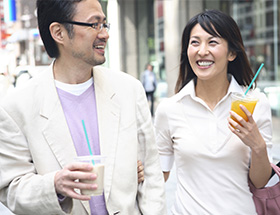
[[58, 32], [231, 56]]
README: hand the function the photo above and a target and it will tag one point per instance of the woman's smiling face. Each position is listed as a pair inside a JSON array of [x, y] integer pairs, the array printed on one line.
[[208, 55]]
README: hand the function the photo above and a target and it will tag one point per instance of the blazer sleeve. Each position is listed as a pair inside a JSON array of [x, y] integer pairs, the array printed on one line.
[[151, 194], [22, 190]]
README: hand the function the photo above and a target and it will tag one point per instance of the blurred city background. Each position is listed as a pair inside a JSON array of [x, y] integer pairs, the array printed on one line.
[[147, 31]]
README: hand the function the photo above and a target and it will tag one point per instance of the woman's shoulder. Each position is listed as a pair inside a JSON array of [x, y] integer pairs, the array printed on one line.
[[263, 102], [260, 95], [169, 104], [255, 93]]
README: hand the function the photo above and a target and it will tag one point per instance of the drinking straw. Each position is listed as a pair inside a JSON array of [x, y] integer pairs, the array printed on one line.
[[85, 130], [256, 75]]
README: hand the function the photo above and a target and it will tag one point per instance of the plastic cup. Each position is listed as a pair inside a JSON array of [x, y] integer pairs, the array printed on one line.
[[246, 100], [98, 162]]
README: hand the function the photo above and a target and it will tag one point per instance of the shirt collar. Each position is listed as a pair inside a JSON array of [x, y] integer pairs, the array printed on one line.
[[189, 89]]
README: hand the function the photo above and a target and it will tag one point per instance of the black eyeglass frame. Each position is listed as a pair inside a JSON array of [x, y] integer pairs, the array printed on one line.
[[92, 25]]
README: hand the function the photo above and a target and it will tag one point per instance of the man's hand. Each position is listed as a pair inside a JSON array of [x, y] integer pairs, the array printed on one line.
[[66, 180], [140, 170]]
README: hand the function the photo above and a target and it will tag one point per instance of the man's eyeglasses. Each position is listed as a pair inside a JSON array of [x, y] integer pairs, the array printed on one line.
[[96, 26]]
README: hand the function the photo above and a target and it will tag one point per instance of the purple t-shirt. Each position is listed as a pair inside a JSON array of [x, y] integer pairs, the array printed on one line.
[[78, 108]]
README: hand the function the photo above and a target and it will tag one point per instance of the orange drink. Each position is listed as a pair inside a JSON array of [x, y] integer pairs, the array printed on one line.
[[246, 100]]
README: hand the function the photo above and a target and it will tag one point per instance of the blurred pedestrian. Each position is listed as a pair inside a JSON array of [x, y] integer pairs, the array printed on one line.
[[149, 82], [214, 154], [41, 130]]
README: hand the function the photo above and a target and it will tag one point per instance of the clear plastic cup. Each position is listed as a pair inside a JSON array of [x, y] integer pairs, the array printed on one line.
[[248, 101], [98, 162]]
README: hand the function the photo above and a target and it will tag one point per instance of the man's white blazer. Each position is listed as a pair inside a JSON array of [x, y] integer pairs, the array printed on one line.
[[35, 143]]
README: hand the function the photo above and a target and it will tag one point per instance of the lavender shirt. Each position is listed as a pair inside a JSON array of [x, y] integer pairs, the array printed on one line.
[[77, 108]]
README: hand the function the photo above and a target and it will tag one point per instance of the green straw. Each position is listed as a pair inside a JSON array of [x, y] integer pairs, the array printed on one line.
[[256, 75], [85, 130]]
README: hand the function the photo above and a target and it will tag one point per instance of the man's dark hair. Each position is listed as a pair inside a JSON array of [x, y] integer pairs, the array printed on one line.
[[49, 11]]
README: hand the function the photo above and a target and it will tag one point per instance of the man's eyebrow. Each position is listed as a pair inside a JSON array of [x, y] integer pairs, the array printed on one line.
[[99, 18]]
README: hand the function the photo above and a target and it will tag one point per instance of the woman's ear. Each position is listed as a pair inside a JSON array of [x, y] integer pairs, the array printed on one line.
[[231, 56], [57, 32]]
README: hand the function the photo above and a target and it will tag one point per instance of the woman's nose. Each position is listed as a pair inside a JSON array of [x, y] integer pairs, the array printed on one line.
[[203, 50]]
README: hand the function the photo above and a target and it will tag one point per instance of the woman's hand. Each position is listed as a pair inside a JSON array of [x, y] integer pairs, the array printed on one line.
[[248, 132], [250, 135]]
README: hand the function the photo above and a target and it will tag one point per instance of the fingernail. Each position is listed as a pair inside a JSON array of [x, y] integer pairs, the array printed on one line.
[[93, 176]]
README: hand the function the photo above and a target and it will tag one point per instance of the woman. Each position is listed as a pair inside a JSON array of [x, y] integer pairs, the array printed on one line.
[[214, 155]]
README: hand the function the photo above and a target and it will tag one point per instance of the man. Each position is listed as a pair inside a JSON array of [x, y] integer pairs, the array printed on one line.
[[149, 82], [41, 129]]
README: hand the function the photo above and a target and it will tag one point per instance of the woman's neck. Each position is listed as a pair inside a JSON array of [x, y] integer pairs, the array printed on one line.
[[211, 92]]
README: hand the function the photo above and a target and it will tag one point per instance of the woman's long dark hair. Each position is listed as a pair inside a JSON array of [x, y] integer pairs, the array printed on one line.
[[220, 25]]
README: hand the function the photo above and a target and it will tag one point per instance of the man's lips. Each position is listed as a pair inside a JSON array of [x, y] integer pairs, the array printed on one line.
[[99, 46]]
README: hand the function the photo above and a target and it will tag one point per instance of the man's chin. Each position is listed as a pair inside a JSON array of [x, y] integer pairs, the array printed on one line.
[[102, 62], [99, 62]]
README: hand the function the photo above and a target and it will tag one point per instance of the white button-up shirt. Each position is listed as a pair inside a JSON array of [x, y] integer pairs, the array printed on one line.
[[212, 163]]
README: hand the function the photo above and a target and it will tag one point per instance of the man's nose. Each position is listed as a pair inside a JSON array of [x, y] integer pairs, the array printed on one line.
[[103, 34]]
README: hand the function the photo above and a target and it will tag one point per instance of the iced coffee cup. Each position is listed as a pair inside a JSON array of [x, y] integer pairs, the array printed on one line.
[[248, 101], [98, 162]]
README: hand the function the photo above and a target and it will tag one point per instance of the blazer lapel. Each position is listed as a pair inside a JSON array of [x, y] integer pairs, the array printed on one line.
[[56, 130], [108, 113]]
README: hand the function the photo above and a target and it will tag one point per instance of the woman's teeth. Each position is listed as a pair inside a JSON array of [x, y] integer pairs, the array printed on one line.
[[205, 63]]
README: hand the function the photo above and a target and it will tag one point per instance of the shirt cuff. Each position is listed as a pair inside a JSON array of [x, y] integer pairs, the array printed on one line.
[[166, 162], [60, 198]]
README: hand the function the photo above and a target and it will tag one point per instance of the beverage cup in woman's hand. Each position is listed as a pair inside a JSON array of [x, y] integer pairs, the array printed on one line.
[[246, 100]]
